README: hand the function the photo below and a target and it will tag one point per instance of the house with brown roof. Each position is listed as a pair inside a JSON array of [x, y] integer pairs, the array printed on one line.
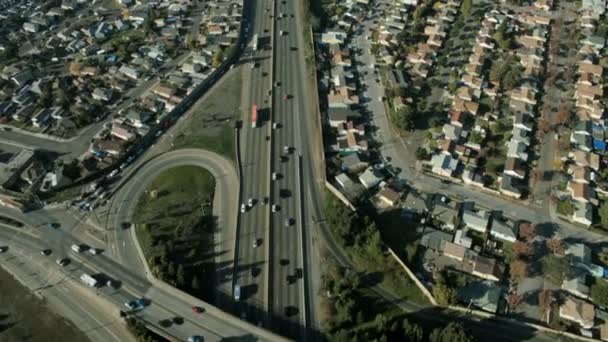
[[581, 174], [465, 106], [578, 311], [524, 94], [515, 167], [454, 251], [457, 118], [472, 81], [389, 196], [582, 158], [486, 268], [588, 91], [581, 192], [595, 69]]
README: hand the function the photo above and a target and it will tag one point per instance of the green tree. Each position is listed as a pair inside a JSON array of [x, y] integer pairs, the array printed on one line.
[[217, 58], [181, 275], [555, 268], [512, 78], [465, 8], [599, 292], [413, 332], [603, 213], [476, 137], [444, 295], [72, 170], [405, 118], [453, 332], [421, 153]]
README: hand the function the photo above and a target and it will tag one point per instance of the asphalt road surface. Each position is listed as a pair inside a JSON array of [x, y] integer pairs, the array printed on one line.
[[251, 271]]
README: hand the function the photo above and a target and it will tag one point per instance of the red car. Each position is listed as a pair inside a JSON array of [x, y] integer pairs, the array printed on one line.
[[285, 97], [197, 309]]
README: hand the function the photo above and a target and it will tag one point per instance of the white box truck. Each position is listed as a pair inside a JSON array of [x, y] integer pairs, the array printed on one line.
[[89, 280]]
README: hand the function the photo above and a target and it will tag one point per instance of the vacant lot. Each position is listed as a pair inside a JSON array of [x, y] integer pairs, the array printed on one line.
[[210, 123], [175, 228], [25, 317]]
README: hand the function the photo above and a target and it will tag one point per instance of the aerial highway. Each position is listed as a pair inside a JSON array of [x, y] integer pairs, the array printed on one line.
[[251, 257], [165, 302]]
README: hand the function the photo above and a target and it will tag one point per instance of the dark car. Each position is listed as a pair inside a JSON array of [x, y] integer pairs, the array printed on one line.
[[299, 273], [165, 323]]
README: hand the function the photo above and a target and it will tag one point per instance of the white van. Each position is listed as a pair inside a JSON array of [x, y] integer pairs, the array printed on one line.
[[76, 248]]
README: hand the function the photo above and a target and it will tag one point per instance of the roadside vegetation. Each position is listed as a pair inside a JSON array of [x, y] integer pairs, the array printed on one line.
[[355, 313], [175, 229], [210, 125], [140, 332]]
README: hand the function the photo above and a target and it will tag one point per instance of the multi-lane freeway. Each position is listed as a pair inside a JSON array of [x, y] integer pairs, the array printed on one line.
[[251, 266]]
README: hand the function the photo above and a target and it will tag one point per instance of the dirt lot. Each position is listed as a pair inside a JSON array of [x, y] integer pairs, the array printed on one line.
[[25, 317]]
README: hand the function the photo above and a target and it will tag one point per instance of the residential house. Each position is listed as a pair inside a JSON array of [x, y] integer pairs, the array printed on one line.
[[389, 196], [446, 214], [454, 251], [515, 167], [122, 132], [102, 94], [452, 132], [578, 311], [344, 181], [41, 118], [369, 178], [579, 253], [503, 231], [111, 147], [583, 214], [352, 163], [517, 149], [476, 220], [487, 268], [444, 164], [576, 286], [581, 192], [434, 239], [511, 186]]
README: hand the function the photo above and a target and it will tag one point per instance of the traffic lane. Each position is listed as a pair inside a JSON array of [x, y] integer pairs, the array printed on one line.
[[66, 296], [288, 249]]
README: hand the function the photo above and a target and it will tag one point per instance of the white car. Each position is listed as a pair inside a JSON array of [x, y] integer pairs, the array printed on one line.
[[243, 208], [281, 33], [250, 202], [275, 208], [255, 243], [275, 125], [275, 176]]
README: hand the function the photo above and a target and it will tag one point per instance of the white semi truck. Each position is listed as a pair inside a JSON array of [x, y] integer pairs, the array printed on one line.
[[89, 280]]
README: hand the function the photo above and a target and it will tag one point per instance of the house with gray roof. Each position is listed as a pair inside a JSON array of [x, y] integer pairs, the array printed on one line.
[[503, 231], [435, 239], [476, 220]]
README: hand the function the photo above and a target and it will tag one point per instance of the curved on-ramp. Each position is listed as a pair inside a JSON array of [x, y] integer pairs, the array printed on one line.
[[224, 209]]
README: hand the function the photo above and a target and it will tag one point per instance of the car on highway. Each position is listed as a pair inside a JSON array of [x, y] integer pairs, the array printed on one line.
[[243, 208], [135, 304], [237, 292], [45, 252], [165, 323], [275, 176], [282, 33], [114, 173], [195, 338], [95, 251], [250, 202], [198, 309], [78, 248], [256, 243], [275, 125], [3, 249], [299, 273], [63, 262], [275, 208], [277, 84], [290, 279], [253, 65], [288, 222], [53, 225], [287, 149], [284, 159], [286, 97]]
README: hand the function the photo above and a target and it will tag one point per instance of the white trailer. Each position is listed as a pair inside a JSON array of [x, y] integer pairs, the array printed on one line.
[[87, 279]]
